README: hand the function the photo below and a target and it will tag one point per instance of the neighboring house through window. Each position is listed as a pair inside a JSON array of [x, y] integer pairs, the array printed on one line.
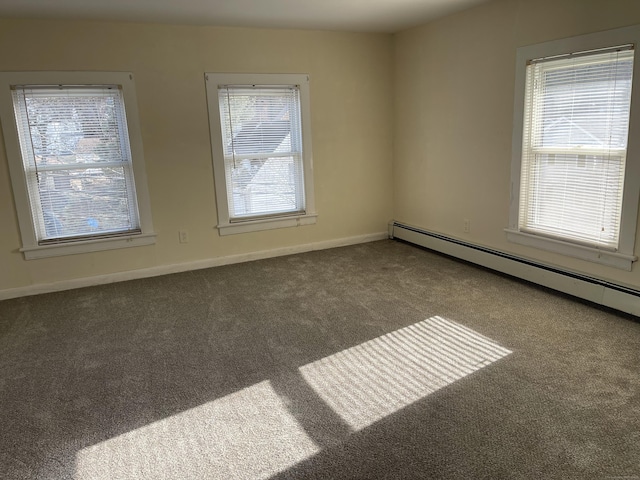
[[574, 174], [261, 145], [76, 163]]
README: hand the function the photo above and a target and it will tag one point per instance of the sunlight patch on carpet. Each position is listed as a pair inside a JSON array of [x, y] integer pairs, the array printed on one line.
[[248, 434], [370, 381], [253, 434]]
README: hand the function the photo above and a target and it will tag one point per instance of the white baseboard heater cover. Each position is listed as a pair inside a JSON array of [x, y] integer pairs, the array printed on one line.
[[593, 289]]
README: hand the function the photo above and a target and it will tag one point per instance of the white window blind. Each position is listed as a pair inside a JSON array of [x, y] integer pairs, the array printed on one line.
[[77, 161], [576, 122], [262, 143]]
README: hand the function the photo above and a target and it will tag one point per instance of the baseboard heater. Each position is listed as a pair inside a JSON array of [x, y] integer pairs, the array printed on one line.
[[592, 289]]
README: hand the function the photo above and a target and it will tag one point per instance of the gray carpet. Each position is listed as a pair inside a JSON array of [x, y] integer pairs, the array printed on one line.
[[372, 361]]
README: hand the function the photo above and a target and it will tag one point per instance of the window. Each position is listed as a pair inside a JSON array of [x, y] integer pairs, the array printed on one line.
[[74, 150], [261, 144], [572, 159]]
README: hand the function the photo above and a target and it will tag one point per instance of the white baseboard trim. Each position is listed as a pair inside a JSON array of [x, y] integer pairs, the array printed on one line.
[[184, 267], [596, 290]]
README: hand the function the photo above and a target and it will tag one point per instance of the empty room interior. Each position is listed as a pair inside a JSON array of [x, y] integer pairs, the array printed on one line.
[[341, 239]]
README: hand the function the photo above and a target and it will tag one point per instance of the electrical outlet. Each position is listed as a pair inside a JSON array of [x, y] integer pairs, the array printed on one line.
[[183, 236], [467, 225]]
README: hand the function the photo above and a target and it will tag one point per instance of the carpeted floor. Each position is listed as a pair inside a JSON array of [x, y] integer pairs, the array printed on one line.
[[372, 361]]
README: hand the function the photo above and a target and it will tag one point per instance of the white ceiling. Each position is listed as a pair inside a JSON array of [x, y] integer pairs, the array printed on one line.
[[350, 15]]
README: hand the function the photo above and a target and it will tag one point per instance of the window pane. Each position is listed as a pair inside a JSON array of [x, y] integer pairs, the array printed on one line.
[[576, 196], [264, 186], [84, 202], [77, 160], [263, 150], [574, 147], [586, 105]]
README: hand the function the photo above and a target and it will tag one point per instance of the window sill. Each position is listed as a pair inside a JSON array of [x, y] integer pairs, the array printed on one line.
[[266, 224], [611, 259], [87, 246]]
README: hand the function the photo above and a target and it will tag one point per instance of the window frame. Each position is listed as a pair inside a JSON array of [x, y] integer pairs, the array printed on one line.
[[225, 226], [30, 246], [624, 257]]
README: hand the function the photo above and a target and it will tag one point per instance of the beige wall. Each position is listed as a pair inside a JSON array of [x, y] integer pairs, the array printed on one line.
[[351, 108], [454, 84]]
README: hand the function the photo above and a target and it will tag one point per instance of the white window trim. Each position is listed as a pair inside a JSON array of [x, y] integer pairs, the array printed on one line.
[[225, 227], [30, 247], [625, 256]]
